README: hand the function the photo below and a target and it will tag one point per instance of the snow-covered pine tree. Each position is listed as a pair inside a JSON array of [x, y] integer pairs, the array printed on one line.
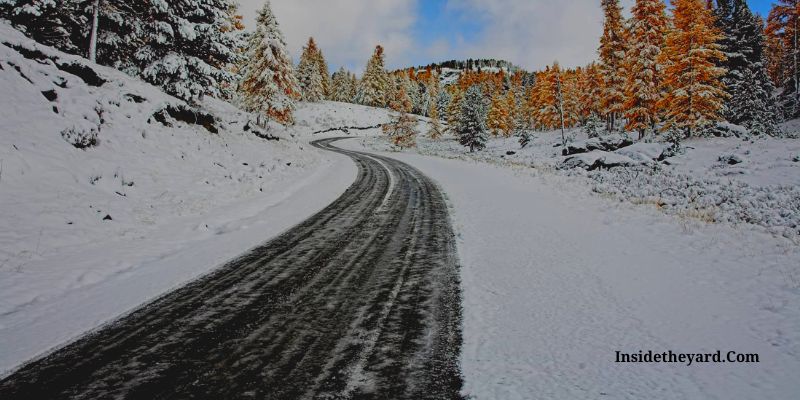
[[185, 49], [695, 94], [309, 74], [324, 73], [269, 85], [612, 54], [442, 103], [783, 25], [342, 88], [49, 22], [373, 87], [414, 93], [594, 126], [751, 102], [645, 36], [432, 87], [471, 124]]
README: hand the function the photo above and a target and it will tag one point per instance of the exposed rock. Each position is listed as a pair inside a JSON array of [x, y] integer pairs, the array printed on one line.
[[604, 143]]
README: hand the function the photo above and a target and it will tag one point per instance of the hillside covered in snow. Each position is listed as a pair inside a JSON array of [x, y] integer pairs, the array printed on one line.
[[111, 189]]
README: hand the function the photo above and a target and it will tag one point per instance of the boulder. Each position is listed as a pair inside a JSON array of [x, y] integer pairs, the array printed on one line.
[[604, 143], [598, 160], [645, 153]]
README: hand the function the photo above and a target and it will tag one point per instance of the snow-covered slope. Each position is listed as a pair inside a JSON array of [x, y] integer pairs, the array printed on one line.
[[91, 232]]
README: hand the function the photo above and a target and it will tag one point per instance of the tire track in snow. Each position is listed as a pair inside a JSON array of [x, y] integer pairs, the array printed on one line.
[[360, 301]]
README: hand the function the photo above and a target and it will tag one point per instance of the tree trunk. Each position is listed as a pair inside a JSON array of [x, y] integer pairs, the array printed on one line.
[[93, 37]]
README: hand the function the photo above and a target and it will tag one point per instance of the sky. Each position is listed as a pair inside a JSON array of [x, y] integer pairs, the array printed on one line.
[[528, 33]]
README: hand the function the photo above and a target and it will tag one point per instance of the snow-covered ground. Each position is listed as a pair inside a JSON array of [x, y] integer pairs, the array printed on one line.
[[556, 279], [181, 199]]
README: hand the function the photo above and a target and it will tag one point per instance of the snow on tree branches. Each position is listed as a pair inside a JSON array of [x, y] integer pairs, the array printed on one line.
[[269, 86], [372, 90], [695, 94]]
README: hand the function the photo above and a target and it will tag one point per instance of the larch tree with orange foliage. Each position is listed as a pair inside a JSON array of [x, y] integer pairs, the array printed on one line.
[[695, 94], [498, 118], [590, 92], [402, 128], [612, 54], [269, 86], [646, 34]]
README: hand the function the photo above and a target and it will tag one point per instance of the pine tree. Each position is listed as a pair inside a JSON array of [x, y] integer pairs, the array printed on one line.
[[646, 34], [324, 73], [372, 89], [471, 124], [695, 94], [612, 53], [783, 24], [750, 102], [342, 88], [269, 86], [47, 21], [309, 73], [442, 103]]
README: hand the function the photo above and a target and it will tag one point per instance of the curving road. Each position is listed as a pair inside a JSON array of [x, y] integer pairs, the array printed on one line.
[[360, 301]]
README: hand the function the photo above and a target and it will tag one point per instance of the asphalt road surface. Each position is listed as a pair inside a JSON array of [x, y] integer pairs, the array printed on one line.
[[360, 301]]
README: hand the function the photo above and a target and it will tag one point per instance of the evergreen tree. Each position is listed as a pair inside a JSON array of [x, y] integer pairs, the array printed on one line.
[[471, 124], [646, 34], [442, 103], [372, 89], [594, 126], [185, 48], [309, 73], [324, 73], [751, 102], [342, 88], [47, 21], [269, 86], [612, 53], [695, 94], [783, 24]]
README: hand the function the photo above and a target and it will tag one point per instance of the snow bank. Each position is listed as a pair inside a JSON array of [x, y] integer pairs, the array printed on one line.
[[164, 192]]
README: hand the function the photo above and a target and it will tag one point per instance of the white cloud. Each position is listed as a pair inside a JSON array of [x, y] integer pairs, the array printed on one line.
[[534, 33], [346, 30], [530, 33]]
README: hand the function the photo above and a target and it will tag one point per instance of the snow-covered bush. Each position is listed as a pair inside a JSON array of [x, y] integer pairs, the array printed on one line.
[[80, 138], [776, 208]]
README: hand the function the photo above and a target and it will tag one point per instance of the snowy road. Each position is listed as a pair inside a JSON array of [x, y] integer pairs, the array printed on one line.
[[359, 301]]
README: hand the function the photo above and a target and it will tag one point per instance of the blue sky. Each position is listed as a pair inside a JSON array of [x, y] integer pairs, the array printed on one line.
[[529, 33]]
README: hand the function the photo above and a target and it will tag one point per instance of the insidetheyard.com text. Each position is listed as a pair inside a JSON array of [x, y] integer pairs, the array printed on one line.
[[686, 358]]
